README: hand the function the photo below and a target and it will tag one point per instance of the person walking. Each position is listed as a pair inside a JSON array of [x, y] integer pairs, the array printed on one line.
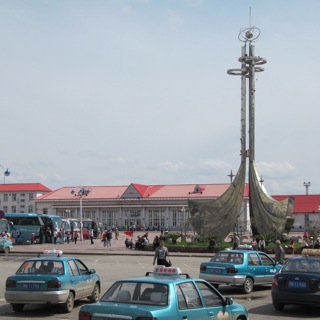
[[235, 241], [91, 235], [68, 236], [116, 233], [109, 237], [161, 255], [279, 253], [75, 237], [104, 238]]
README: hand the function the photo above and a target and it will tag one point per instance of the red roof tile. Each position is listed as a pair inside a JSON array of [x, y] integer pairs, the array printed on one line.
[[303, 203], [18, 187], [143, 191]]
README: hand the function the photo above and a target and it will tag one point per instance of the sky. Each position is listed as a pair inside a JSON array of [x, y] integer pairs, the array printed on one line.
[[113, 92]]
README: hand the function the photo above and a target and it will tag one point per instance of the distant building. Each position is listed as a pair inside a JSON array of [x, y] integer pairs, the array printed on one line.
[[18, 197], [152, 207], [306, 211]]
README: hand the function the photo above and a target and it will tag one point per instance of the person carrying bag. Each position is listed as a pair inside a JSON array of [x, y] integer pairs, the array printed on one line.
[[161, 254]]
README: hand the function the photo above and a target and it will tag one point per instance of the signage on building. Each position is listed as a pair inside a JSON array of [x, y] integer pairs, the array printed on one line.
[[135, 214]]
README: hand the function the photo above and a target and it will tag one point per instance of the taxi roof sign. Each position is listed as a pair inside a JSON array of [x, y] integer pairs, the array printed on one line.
[[171, 271], [56, 252], [167, 271], [311, 252]]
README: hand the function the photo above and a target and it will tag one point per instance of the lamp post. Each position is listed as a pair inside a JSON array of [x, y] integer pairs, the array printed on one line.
[[80, 193], [307, 185]]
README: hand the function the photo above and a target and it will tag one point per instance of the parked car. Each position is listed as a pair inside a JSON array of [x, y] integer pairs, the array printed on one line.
[[5, 245], [298, 281], [163, 294], [52, 279], [244, 268]]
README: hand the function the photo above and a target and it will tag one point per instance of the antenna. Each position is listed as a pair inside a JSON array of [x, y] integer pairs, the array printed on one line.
[[250, 18]]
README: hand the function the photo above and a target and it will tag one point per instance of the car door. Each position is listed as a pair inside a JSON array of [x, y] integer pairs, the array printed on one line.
[[190, 305], [86, 278], [256, 269], [269, 267], [76, 279], [213, 302]]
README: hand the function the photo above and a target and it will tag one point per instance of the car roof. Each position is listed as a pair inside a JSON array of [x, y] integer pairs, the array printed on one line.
[[239, 251], [46, 258], [159, 279]]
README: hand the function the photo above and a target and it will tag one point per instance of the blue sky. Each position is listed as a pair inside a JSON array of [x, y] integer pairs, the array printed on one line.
[[119, 92]]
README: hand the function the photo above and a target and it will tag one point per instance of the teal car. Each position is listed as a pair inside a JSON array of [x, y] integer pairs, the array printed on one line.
[[5, 245], [243, 268], [163, 294], [52, 279]]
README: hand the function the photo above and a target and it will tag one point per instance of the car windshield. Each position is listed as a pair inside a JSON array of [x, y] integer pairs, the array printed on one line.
[[229, 257], [41, 267], [137, 293], [302, 265]]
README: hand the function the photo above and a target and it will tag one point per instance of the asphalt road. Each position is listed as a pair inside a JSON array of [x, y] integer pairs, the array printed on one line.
[[117, 266]]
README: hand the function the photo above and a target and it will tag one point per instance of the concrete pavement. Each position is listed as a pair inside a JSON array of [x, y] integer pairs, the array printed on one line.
[[85, 247]]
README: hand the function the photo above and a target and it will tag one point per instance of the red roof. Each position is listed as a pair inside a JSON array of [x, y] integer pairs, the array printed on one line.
[[143, 191], [303, 203], [18, 187]]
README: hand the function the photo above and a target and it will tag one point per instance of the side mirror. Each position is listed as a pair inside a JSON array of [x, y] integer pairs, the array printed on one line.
[[92, 271], [228, 301]]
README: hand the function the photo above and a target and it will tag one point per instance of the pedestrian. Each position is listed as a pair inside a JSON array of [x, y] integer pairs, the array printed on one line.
[[55, 236], [235, 241], [128, 243], [91, 234], [109, 237], [161, 255], [116, 233], [254, 244], [68, 236], [156, 242], [212, 245], [262, 244], [75, 237], [279, 253], [291, 246], [33, 238], [304, 243], [104, 238]]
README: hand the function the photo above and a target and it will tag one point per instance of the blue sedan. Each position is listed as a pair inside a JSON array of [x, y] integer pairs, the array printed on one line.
[[163, 294], [298, 282], [244, 268], [52, 279]]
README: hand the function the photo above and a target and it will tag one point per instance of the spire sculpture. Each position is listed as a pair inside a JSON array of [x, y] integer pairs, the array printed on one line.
[[218, 217]]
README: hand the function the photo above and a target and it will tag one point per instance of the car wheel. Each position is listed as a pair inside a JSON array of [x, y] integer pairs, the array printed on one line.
[[278, 306], [247, 286], [95, 294], [17, 307], [68, 305]]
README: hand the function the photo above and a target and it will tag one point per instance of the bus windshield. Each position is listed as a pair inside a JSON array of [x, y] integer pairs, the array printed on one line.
[[23, 225], [4, 226]]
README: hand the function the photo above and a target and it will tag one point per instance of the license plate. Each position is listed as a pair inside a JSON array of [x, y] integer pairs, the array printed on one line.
[[215, 271], [31, 286], [297, 284]]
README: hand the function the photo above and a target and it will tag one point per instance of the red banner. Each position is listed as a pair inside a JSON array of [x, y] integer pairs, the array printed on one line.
[[128, 233]]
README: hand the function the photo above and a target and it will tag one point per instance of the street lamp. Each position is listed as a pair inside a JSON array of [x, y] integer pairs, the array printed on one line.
[[5, 173], [80, 193]]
